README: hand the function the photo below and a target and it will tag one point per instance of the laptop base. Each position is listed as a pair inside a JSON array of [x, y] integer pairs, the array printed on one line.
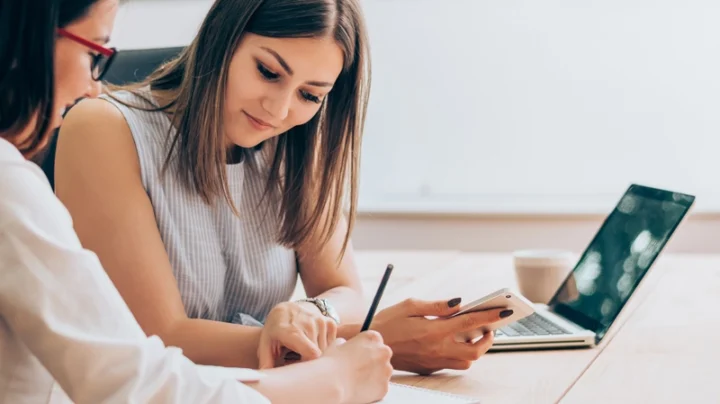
[[533, 346]]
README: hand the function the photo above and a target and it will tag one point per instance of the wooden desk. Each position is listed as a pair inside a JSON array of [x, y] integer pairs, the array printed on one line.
[[669, 350], [651, 326]]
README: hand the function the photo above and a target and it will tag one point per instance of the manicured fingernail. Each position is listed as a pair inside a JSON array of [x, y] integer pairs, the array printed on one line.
[[506, 313], [454, 302], [292, 356]]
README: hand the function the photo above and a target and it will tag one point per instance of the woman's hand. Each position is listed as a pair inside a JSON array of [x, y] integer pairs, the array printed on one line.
[[353, 372], [363, 366], [296, 327], [426, 346]]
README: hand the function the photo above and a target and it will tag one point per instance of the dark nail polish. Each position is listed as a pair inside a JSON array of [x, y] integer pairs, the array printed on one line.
[[506, 313], [292, 356], [454, 302]]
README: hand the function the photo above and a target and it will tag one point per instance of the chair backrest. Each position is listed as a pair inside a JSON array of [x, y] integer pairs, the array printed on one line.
[[129, 66], [135, 65]]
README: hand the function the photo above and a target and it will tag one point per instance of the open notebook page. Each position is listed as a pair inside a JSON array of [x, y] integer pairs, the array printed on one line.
[[400, 393]]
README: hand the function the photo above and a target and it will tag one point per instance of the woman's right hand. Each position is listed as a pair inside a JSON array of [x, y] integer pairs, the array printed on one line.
[[425, 346], [354, 372], [363, 367]]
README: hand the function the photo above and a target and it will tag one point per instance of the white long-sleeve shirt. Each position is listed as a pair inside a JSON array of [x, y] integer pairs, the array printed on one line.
[[62, 320]]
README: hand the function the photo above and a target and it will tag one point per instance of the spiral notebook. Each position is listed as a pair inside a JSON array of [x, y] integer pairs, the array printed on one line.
[[403, 394]]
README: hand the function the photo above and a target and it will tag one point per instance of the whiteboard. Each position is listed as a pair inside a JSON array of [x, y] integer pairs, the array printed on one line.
[[550, 106]]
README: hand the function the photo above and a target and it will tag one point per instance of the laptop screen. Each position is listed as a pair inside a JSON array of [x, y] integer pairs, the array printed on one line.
[[619, 256]]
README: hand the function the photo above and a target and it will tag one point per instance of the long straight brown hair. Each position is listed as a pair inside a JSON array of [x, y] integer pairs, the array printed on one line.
[[313, 164]]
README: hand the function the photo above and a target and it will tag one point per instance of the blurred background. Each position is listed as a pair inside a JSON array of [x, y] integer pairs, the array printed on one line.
[[496, 125]]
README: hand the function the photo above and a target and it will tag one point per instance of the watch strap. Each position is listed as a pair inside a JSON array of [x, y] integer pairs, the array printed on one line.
[[324, 306]]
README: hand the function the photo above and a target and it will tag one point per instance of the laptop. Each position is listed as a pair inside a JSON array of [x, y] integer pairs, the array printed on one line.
[[605, 277]]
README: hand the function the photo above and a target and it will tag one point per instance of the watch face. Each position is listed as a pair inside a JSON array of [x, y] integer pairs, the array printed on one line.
[[330, 310]]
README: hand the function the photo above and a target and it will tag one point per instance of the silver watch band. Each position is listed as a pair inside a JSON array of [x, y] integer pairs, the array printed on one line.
[[324, 306]]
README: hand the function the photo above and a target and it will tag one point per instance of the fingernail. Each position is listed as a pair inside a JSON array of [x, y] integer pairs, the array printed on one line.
[[506, 313], [292, 356], [454, 302]]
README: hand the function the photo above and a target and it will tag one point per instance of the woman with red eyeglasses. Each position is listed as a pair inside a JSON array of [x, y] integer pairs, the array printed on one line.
[[65, 331]]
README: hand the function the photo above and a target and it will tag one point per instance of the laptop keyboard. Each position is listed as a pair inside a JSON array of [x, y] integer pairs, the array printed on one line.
[[533, 324]]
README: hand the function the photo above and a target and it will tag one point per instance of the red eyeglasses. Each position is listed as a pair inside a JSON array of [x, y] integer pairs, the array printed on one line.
[[101, 61]]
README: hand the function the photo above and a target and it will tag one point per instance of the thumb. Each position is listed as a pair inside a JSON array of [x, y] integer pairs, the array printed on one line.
[[438, 308], [265, 355]]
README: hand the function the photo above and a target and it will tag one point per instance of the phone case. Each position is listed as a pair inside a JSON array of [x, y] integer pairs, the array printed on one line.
[[503, 298]]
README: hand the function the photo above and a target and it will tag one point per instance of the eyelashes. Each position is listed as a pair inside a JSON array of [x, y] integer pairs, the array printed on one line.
[[310, 97], [265, 72], [271, 76]]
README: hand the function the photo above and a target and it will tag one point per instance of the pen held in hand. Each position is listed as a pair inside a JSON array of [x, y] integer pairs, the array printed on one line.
[[291, 357], [376, 300]]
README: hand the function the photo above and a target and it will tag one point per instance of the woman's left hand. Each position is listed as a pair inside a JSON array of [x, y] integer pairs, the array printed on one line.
[[296, 327]]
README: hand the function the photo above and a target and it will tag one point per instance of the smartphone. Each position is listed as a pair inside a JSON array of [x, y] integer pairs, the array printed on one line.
[[504, 298]]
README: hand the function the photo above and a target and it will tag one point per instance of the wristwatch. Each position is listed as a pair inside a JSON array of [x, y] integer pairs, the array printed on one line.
[[324, 306]]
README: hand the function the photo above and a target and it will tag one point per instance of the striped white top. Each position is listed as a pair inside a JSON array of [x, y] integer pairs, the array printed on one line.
[[227, 268]]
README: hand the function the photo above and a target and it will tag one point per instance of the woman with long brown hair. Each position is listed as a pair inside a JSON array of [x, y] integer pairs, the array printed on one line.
[[206, 189], [62, 322]]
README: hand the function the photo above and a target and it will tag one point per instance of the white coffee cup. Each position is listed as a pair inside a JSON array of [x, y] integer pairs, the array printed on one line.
[[540, 273]]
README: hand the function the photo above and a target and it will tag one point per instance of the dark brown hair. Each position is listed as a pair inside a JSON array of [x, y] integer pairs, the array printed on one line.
[[27, 80], [314, 163]]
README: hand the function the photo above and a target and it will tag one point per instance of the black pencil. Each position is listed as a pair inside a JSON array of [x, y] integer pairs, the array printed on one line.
[[376, 300]]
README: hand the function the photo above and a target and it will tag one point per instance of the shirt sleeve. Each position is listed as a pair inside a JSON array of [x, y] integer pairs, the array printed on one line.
[[58, 300]]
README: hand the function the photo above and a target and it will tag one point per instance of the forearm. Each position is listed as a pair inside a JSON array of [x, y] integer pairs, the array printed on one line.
[[313, 381], [349, 303], [338, 282], [208, 342]]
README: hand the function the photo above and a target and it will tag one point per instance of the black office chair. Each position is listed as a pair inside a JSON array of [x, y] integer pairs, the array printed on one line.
[[128, 67], [135, 65]]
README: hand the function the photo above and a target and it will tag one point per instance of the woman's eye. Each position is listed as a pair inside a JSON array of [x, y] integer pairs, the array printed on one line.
[[267, 73], [311, 98]]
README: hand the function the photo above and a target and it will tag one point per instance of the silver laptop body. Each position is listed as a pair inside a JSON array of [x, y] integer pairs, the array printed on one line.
[[605, 277]]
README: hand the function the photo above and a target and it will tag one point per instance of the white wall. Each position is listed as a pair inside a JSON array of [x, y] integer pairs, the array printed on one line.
[[497, 233], [526, 106], [145, 24], [521, 106]]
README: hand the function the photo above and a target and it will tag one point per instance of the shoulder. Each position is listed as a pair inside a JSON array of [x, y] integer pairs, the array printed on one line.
[[96, 149], [116, 114], [15, 171], [28, 198], [96, 131], [91, 115]]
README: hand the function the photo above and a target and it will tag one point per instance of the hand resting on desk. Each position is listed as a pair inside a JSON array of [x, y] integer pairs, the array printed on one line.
[[419, 344], [425, 346], [294, 327]]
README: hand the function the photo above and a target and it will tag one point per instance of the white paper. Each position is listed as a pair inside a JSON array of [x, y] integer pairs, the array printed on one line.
[[400, 393]]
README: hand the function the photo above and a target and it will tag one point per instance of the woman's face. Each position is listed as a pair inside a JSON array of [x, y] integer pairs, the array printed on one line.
[[275, 84], [73, 61]]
